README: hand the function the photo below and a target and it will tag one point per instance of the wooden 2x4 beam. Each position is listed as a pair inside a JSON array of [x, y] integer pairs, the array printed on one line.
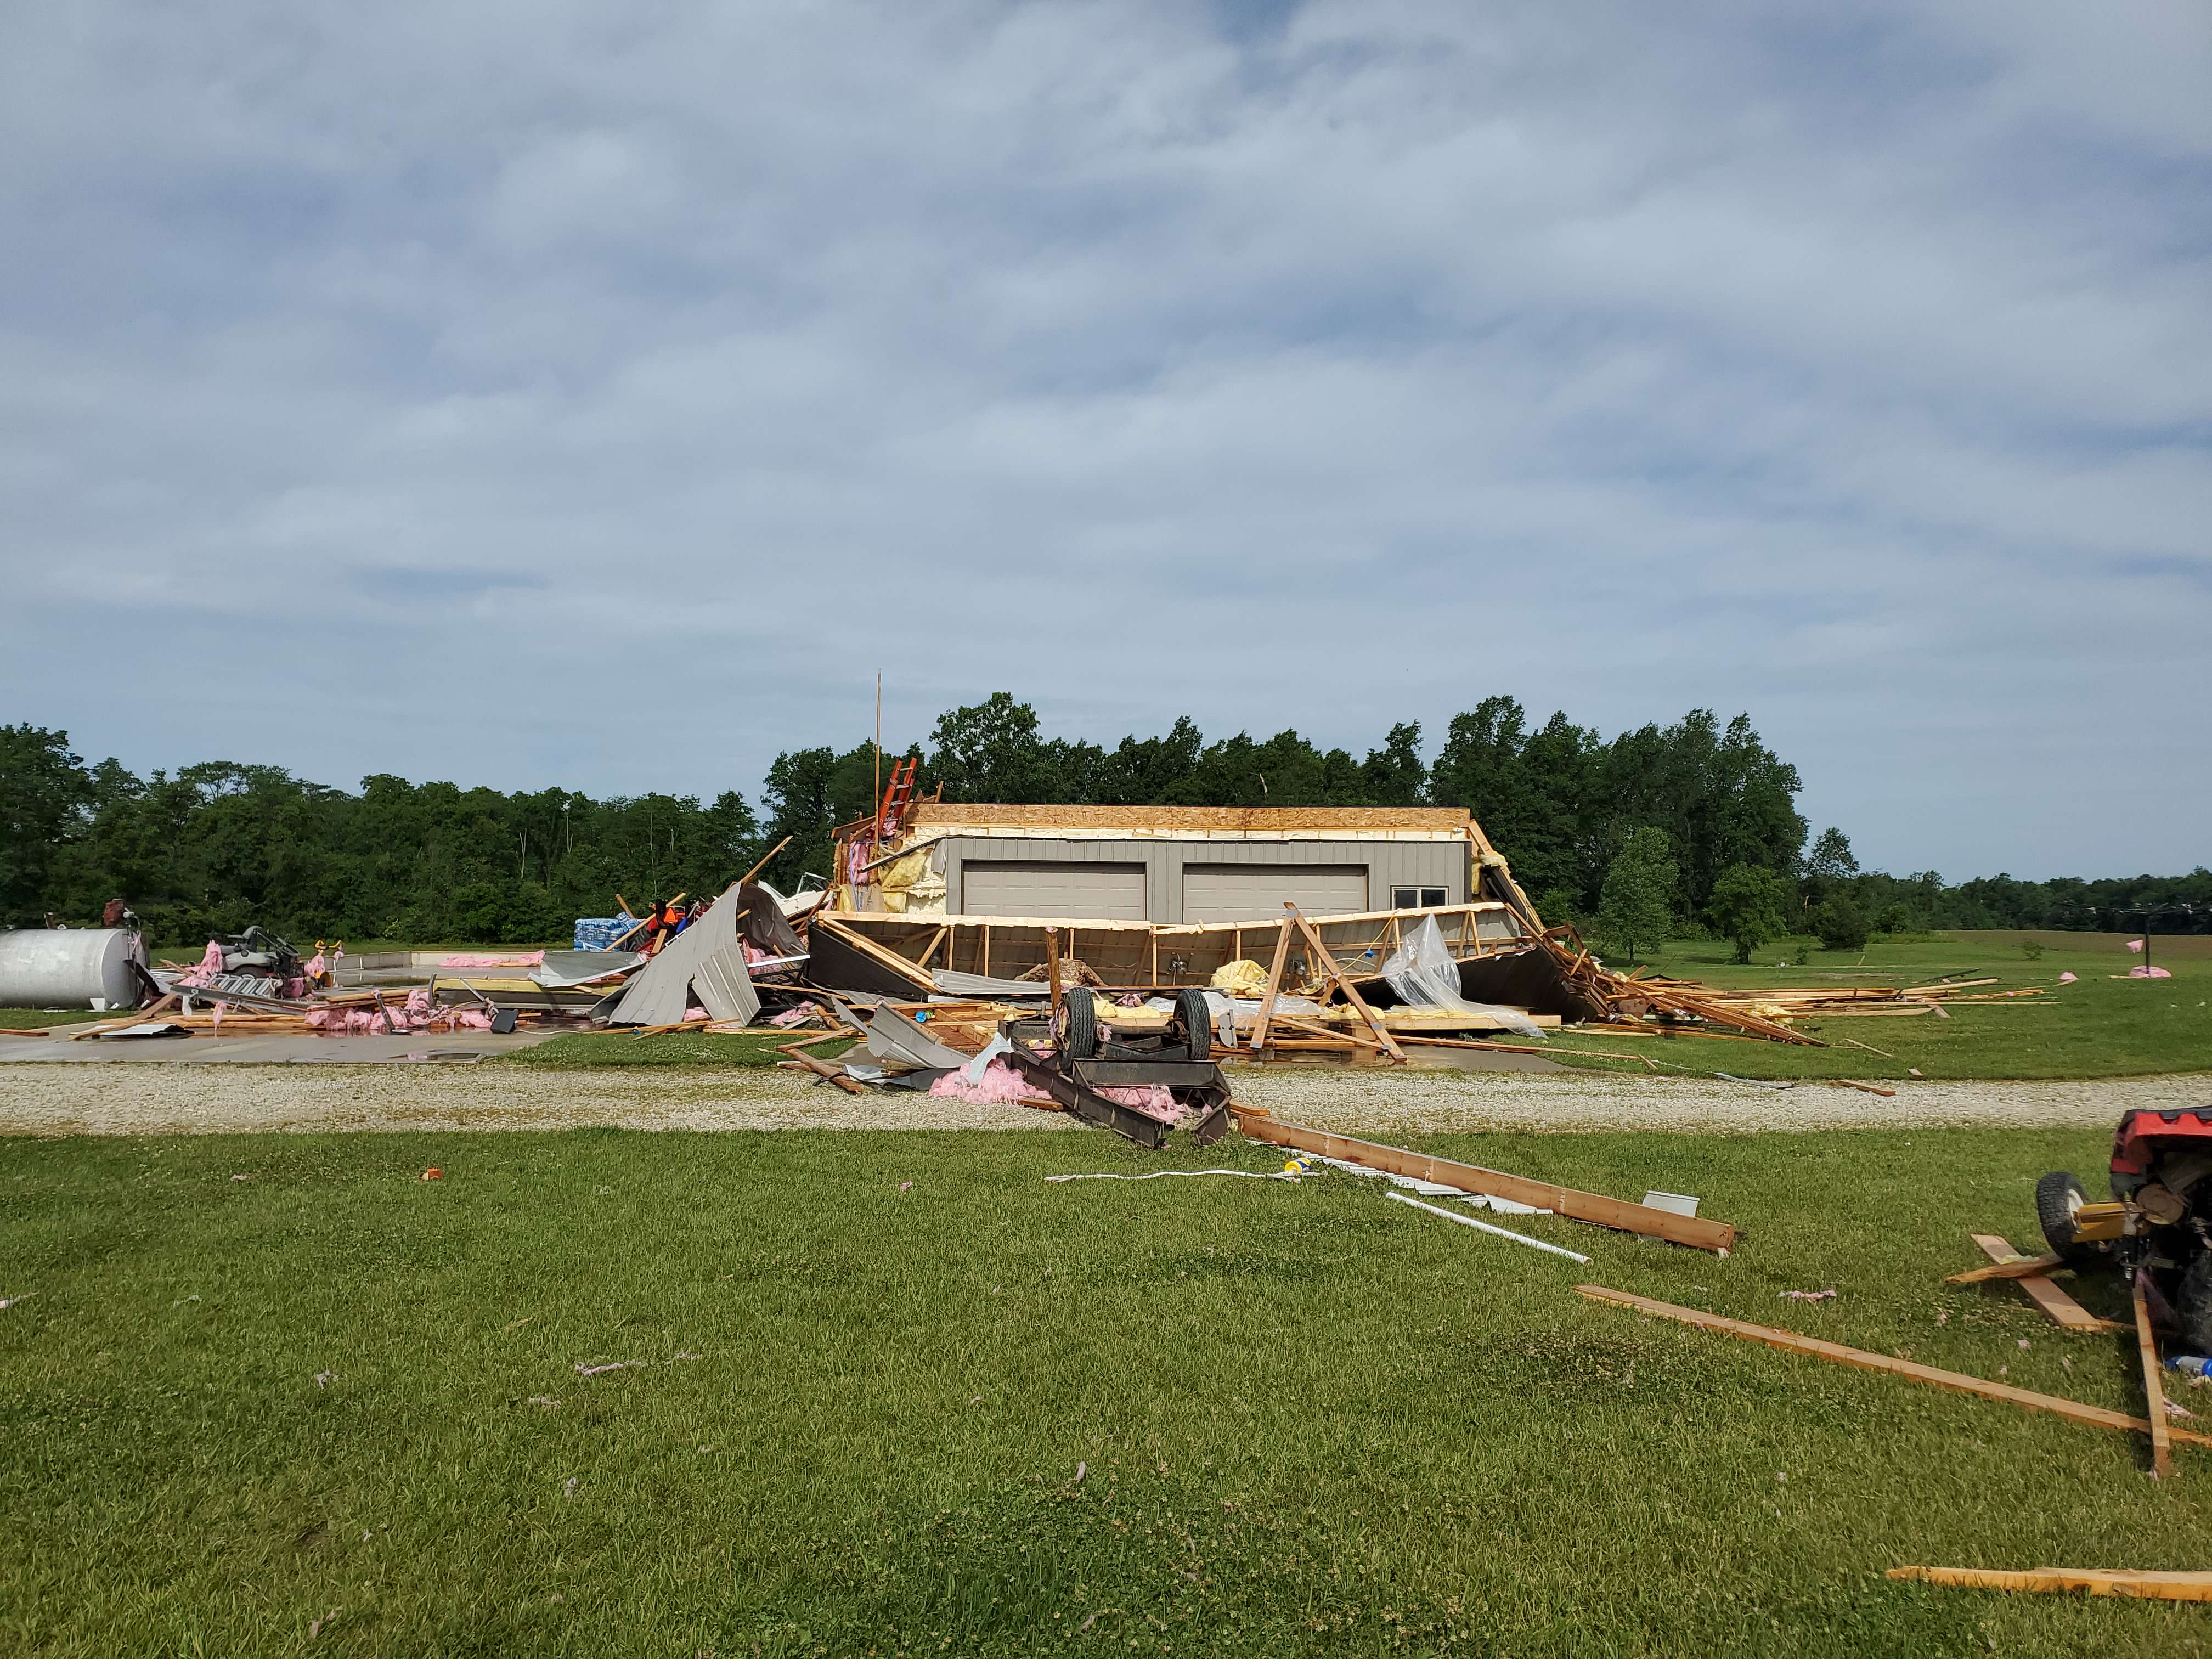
[[1258, 1124]]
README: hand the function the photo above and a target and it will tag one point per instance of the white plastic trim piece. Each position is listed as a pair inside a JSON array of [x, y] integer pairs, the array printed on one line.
[[1484, 1226]]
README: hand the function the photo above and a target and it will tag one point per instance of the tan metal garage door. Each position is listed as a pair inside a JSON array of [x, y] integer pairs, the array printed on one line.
[[1247, 892], [1109, 892]]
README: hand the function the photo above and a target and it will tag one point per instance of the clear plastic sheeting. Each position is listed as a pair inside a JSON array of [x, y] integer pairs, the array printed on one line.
[[1423, 973]]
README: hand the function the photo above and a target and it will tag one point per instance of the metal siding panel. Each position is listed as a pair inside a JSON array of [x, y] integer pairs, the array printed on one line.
[[724, 988]]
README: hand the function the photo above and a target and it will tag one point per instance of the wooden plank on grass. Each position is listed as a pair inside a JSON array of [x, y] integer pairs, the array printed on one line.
[[2046, 1295], [1594, 1207], [1859, 1359], [2094, 1581], [2010, 1265], [2162, 1436]]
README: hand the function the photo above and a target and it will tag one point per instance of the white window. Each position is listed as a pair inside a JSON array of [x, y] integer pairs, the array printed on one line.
[[1416, 898]]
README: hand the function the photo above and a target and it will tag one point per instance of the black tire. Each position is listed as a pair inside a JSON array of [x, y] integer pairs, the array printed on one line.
[[2192, 1303], [1197, 1024], [1078, 1024], [2057, 1195]]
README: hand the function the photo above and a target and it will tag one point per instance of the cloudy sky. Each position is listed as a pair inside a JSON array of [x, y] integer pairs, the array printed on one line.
[[600, 394]]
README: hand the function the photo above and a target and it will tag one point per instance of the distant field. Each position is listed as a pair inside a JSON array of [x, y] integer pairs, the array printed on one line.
[[2099, 1026]]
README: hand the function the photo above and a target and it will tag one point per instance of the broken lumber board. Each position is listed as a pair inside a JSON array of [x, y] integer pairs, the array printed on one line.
[[1862, 1359], [2161, 1433], [2060, 1307], [2010, 1266], [1697, 1232], [1863, 1088], [821, 1068], [2095, 1581]]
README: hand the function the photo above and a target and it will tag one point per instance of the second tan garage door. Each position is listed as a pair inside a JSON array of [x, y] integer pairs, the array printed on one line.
[[1250, 893], [1108, 892]]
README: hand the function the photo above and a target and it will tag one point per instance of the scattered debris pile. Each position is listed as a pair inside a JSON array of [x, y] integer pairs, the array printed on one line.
[[1466, 964]]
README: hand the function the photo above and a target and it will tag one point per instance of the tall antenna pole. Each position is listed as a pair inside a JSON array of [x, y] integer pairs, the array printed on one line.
[[876, 835]]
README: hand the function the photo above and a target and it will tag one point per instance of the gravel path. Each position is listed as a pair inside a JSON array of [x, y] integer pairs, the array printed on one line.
[[60, 1100]]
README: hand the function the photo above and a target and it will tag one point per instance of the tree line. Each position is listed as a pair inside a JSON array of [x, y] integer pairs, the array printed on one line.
[[1693, 823]]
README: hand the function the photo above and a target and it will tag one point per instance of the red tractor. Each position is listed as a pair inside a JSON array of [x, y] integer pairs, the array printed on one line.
[[2161, 1216]]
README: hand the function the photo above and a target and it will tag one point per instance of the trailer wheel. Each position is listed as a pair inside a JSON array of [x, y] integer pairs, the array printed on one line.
[[2192, 1302], [1079, 1020], [2057, 1196], [1197, 1024]]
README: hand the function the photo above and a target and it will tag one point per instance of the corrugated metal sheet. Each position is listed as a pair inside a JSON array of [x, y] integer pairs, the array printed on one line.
[[724, 988], [706, 955]]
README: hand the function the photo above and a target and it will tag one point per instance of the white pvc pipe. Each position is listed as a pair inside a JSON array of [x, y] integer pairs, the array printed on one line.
[[1485, 1227]]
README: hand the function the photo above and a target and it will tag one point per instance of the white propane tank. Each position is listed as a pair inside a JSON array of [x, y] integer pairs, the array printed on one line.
[[70, 968]]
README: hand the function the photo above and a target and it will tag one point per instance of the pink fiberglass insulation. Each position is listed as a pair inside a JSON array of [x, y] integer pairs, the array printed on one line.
[[2152, 972], [206, 969], [1001, 1086], [505, 959], [1004, 1086], [416, 1013], [1153, 1099]]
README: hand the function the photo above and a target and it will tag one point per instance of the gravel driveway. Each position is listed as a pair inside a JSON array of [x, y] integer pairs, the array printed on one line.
[[58, 1100]]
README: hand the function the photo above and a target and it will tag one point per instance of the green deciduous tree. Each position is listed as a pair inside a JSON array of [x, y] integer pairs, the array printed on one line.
[[1638, 904], [1747, 907], [1841, 924], [46, 796], [219, 845]]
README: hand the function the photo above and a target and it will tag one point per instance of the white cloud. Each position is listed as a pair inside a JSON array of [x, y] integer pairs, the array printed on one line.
[[1339, 370]]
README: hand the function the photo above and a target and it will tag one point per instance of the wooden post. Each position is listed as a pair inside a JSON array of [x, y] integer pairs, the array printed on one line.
[[2161, 1432], [1274, 985], [750, 873], [1051, 970]]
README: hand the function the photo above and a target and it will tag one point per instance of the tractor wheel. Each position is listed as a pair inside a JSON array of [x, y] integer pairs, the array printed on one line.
[[2192, 1303], [1197, 1024], [2057, 1196], [1079, 1020]]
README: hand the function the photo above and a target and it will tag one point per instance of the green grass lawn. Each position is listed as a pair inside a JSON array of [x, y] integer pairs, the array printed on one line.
[[1304, 1419], [37, 1020], [579, 1049]]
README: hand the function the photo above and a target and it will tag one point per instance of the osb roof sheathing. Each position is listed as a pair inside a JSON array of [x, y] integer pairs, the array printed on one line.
[[938, 817]]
